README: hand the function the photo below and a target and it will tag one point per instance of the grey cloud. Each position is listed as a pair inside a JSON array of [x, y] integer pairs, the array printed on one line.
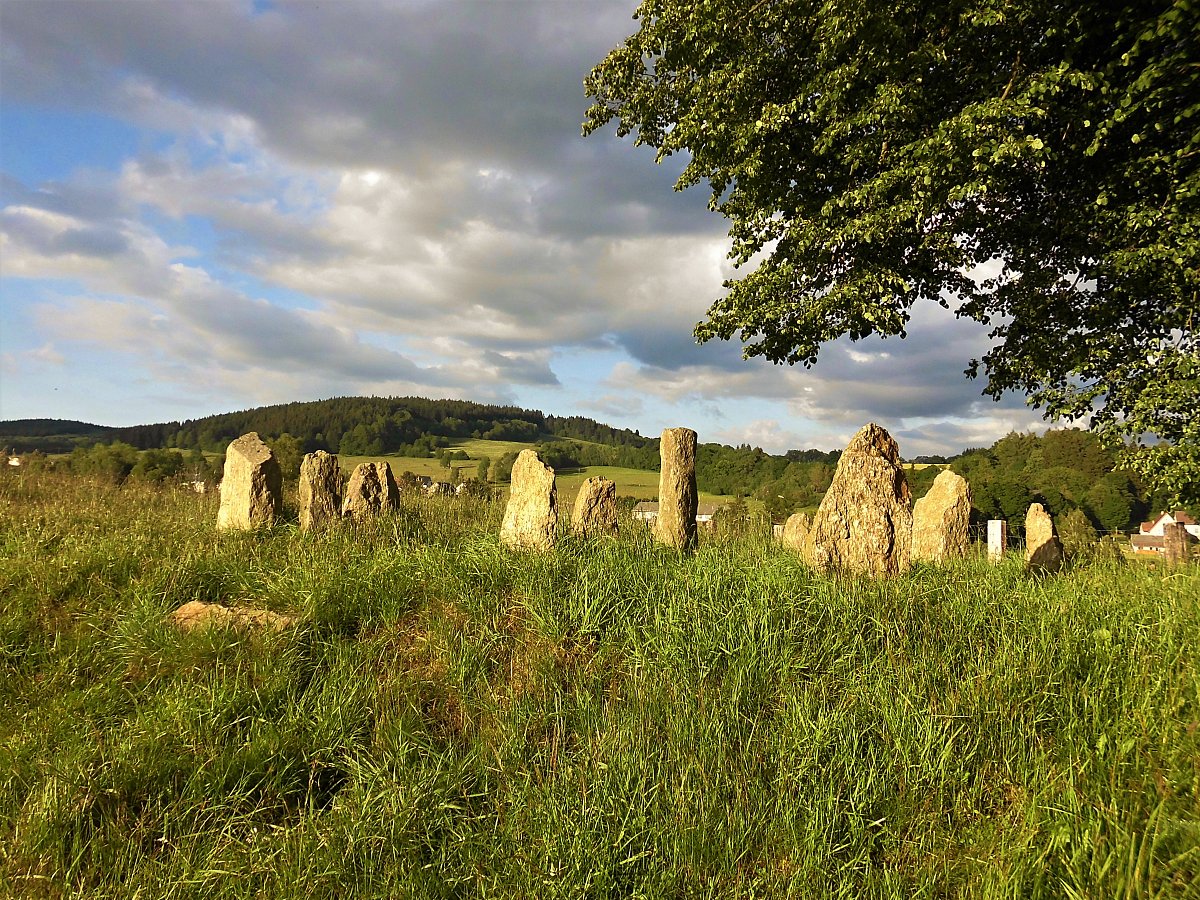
[[43, 238], [101, 242], [608, 187], [952, 437], [917, 378], [671, 346], [921, 375], [620, 406], [401, 87], [90, 197], [353, 83], [521, 369]]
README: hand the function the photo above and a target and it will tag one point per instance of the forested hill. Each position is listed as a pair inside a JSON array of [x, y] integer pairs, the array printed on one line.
[[351, 425], [51, 435]]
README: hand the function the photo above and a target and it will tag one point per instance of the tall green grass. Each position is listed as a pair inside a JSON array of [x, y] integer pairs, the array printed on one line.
[[614, 719]]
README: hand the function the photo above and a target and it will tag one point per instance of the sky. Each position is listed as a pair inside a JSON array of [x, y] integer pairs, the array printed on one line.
[[210, 206]]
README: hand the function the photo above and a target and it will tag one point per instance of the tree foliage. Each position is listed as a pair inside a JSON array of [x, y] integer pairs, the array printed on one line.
[[1033, 163], [1013, 473]]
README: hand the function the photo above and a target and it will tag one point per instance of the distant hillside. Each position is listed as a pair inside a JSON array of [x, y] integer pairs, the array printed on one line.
[[51, 435], [350, 425]]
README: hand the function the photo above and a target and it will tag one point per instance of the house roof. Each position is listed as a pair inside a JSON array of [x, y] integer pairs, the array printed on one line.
[[1179, 517], [1146, 541]]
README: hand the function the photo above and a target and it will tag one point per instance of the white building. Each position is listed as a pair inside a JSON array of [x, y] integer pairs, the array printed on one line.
[[1149, 538], [647, 511]]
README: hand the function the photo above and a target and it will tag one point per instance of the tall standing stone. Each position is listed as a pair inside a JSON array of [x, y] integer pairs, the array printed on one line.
[[795, 531], [677, 496], [596, 507], [1177, 545], [997, 539], [531, 516], [371, 490], [320, 490], [864, 523], [942, 520], [1043, 552], [252, 486]]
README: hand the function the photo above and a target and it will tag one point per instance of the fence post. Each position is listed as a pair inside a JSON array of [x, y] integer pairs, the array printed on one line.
[[997, 531]]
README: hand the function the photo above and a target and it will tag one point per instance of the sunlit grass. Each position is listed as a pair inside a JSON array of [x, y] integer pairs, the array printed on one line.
[[610, 720]]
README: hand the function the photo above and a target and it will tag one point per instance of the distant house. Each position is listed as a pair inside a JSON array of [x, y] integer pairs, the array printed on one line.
[[407, 481], [1149, 538], [647, 511]]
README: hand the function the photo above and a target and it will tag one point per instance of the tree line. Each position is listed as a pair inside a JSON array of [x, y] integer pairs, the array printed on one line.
[[1068, 471], [353, 426]]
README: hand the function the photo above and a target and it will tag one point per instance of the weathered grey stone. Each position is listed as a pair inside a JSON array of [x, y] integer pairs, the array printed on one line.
[[320, 490], [677, 496], [795, 531], [371, 490], [942, 520], [596, 507], [196, 614], [531, 517], [252, 486], [864, 523], [1043, 552]]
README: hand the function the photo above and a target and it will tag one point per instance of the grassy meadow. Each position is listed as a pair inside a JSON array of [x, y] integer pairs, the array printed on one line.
[[613, 720]]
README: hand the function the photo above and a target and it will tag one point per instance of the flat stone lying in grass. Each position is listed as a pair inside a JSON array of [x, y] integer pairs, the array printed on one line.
[[196, 615]]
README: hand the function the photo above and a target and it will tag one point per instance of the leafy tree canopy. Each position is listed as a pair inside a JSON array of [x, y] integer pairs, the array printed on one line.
[[1034, 163]]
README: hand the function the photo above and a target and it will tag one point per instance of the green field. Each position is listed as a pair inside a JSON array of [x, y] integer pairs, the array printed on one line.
[[630, 482], [451, 719]]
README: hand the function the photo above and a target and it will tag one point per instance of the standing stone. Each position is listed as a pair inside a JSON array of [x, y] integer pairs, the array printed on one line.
[[795, 531], [1043, 552], [997, 539], [677, 496], [1177, 545], [371, 490], [320, 490], [942, 519], [596, 507], [252, 486], [531, 517], [864, 523]]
